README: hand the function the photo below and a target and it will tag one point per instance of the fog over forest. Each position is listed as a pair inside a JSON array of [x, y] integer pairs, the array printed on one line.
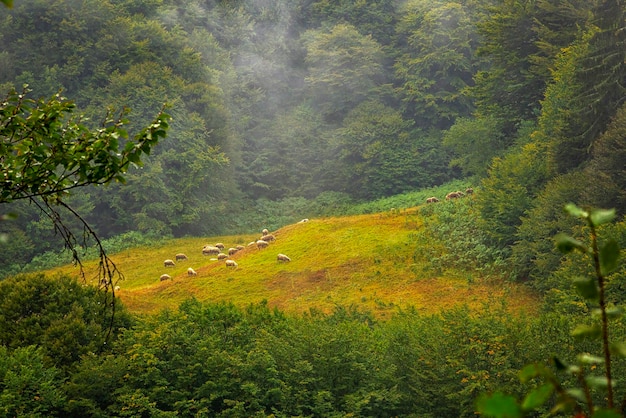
[[440, 185], [291, 109]]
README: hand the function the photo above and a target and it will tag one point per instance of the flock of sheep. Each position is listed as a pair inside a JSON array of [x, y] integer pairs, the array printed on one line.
[[263, 242], [451, 195], [218, 251]]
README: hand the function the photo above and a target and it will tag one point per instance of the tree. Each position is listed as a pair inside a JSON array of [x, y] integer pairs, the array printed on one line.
[[29, 387], [46, 151], [376, 154], [607, 185], [345, 69], [508, 191], [370, 17], [597, 391], [438, 63], [292, 160], [474, 142], [58, 314], [599, 77]]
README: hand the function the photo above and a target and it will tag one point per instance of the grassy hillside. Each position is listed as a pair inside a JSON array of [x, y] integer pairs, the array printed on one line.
[[375, 262]]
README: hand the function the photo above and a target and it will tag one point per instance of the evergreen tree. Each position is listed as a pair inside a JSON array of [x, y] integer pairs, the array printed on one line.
[[600, 77]]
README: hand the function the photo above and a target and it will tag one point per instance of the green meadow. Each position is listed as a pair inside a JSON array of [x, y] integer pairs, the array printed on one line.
[[379, 262]]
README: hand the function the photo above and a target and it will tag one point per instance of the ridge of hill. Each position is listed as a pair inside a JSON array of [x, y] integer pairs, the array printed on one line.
[[371, 262]]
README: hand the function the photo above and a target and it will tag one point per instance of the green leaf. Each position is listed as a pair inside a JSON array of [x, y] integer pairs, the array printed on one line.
[[618, 349], [537, 397], [598, 382], [530, 371], [605, 413], [601, 216], [614, 312], [609, 257], [589, 359], [587, 288], [577, 394], [566, 244], [8, 216], [587, 331], [574, 210], [498, 405]]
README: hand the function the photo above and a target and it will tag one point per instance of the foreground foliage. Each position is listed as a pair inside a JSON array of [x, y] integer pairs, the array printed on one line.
[[596, 391], [220, 360]]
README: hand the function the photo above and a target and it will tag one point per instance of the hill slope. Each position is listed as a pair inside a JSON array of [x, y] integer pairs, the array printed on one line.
[[371, 262]]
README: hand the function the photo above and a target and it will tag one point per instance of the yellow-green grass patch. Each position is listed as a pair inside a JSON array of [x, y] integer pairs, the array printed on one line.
[[371, 262]]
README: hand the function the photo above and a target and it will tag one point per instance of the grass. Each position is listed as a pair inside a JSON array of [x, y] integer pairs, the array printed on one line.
[[373, 262]]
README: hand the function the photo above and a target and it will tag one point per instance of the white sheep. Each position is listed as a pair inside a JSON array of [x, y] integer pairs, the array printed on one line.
[[232, 251], [181, 256], [265, 232], [231, 263], [239, 247], [169, 263], [261, 244], [191, 272], [283, 257], [220, 245], [222, 256], [210, 250], [268, 238], [117, 288], [303, 221], [165, 277]]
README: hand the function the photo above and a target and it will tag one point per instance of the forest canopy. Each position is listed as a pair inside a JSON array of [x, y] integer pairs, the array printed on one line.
[[281, 110], [288, 102]]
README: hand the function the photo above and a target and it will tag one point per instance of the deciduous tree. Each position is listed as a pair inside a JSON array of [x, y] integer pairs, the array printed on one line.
[[46, 151]]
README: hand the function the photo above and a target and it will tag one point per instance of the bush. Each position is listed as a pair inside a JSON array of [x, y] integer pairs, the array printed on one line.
[[63, 317]]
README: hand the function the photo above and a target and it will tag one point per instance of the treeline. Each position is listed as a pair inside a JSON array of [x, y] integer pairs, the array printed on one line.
[[337, 102], [222, 361]]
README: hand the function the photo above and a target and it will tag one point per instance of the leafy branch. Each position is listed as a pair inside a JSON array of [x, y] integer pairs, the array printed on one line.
[[46, 151], [605, 259]]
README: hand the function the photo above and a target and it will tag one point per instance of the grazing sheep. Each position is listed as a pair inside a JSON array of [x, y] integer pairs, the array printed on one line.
[[261, 244], [231, 263], [432, 200], [268, 238], [265, 232], [469, 190], [169, 263], [191, 272], [452, 195], [232, 251], [303, 221], [210, 250], [181, 256], [239, 247], [165, 277], [117, 288], [222, 256], [283, 257], [220, 245], [251, 243]]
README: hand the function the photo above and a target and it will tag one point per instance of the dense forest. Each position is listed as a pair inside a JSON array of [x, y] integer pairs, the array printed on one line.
[[336, 101], [282, 110]]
